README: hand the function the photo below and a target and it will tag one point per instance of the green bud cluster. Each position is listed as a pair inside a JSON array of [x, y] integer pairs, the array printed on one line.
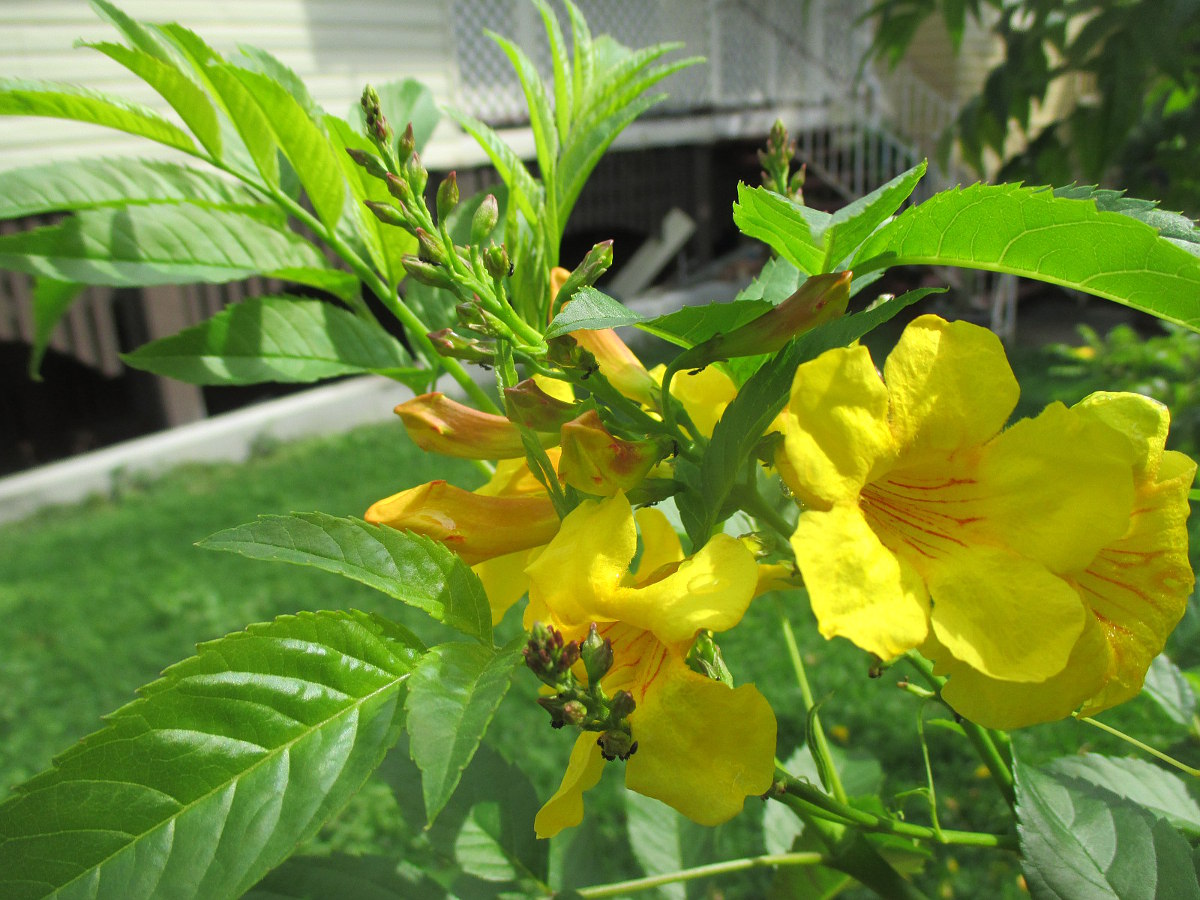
[[583, 706], [776, 161]]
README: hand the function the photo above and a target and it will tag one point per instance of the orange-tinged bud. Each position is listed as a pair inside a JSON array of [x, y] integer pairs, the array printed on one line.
[[531, 406], [821, 299], [596, 462], [619, 365], [438, 424], [475, 526]]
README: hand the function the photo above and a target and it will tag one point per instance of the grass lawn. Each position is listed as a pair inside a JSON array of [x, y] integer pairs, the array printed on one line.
[[98, 598]]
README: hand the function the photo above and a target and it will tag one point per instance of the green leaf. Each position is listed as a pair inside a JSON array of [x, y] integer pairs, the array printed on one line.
[[452, 698], [541, 118], [280, 339], [215, 774], [411, 568], [777, 281], [526, 191], [1083, 842], [247, 115], [590, 309], [1172, 225], [86, 183], [175, 244], [137, 34], [344, 875], [1170, 690], [302, 141], [757, 404], [692, 325], [258, 60], [655, 839], [478, 850], [816, 241], [1149, 786], [185, 96], [51, 300], [67, 101], [492, 781], [1030, 232]]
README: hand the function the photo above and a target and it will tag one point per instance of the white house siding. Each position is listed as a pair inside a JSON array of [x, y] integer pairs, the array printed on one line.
[[334, 45]]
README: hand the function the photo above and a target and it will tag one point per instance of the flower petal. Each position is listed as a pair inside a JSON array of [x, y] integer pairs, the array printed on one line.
[[504, 580], [589, 556], [1056, 488], [565, 808], [993, 703], [710, 589], [1143, 421], [702, 747], [1003, 614], [835, 427], [858, 588], [704, 395], [660, 543], [1138, 587], [950, 385]]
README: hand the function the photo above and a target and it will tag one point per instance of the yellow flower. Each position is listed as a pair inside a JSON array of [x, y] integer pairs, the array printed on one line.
[[702, 747], [928, 526]]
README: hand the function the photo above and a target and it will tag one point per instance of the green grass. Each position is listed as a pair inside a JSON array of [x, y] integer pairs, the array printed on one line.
[[98, 598]]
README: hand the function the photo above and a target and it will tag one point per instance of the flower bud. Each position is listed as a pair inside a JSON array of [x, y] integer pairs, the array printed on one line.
[[431, 248], [368, 161], [425, 272], [529, 405], [485, 219], [455, 346], [619, 365], [597, 655], [438, 424], [821, 299], [596, 462], [598, 261], [548, 656], [496, 261], [417, 174], [622, 705], [447, 196], [406, 144], [377, 124], [398, 188], [475, 526], [386, 213]]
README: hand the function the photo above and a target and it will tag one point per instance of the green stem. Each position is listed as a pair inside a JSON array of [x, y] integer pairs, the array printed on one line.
[[713, 869], [807, 798], [753, 502], [981, 738], [1158, 754], [816, 734]]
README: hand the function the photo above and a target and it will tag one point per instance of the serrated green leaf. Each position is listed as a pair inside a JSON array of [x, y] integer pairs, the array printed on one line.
[[590, 309], [343, 875], [218, 770], [86, 183], [816, 241], [777, 281], [489, 779], [1169, 224], [760, 400], [1030, 232], [185, 96], [1149, 786], [279, 339], [655, 839], [541, 117], [66, 101], [51, 300], [137, 34], [527, 192], [692, 325], [1169, 689], [452, 698], [247, 115], [169, 244], [413, 569], [301, 140], [259, 60], [1083, 842]]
